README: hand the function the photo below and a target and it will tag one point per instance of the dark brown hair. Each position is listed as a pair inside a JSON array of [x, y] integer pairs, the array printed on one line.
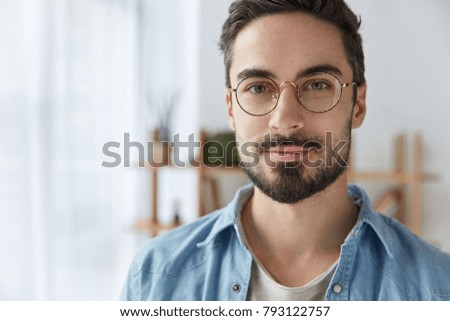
[[335, 12]]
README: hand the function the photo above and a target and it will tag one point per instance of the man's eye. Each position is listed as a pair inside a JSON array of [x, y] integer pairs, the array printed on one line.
[[257, 89], [317, 85]]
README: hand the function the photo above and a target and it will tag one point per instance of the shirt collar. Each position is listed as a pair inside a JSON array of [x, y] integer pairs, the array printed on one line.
[[367, 215], [229, 216]]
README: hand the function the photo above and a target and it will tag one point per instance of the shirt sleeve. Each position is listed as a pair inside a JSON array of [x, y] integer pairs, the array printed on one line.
[[131, 289]]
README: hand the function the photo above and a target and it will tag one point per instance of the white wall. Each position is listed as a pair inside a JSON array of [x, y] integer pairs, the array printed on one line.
[[407, 46], [212, 72]]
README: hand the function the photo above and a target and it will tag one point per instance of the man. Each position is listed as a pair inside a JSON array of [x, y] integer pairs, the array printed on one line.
[[296, 89]]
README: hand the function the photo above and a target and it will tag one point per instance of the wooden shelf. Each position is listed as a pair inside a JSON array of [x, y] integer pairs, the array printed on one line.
[[390, 177], [206, 176], [151, 227]]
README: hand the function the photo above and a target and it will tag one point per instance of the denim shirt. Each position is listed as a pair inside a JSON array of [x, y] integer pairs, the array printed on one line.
[[207, 260]]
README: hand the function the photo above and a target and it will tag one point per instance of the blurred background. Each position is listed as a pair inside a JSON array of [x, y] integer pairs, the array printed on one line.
[[77, 74]]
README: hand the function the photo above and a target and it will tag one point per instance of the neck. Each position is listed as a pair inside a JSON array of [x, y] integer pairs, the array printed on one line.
[[314, 226]]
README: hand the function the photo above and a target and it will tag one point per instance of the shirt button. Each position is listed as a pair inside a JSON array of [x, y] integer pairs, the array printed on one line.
[[236, 288], [337, 288]]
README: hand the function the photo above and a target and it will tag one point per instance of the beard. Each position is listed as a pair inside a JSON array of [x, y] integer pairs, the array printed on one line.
[[292, 182]]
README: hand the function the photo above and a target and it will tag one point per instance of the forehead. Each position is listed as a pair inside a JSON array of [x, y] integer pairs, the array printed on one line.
[[286, 45]]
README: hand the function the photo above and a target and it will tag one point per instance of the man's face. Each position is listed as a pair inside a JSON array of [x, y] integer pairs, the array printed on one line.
[[290, 168]]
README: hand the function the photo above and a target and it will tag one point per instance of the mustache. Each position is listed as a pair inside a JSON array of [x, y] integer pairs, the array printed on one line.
[[275, 140]]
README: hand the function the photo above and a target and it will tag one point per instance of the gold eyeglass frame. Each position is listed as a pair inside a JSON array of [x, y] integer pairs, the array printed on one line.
[[297, 87]]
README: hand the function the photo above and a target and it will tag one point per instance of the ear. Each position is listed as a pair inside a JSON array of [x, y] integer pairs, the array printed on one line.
[[228, 99], [359, 109]]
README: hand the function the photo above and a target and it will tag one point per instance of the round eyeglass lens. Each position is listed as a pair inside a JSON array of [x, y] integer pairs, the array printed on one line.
[[319, 92], [257, 95]]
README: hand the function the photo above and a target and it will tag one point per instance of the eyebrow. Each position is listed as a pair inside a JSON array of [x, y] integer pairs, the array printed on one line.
[[319, 68], [255, 72]]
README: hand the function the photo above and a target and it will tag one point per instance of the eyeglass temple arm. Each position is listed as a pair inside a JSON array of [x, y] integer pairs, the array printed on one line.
[[349, 84]]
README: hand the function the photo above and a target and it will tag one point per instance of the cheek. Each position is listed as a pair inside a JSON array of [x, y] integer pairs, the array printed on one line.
[[339, 115], [250, 127]]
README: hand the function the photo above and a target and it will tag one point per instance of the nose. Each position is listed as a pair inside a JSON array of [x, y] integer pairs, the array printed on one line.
[[288, 116]]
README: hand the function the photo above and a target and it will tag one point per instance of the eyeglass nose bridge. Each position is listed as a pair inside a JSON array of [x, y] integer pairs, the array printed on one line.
[[280, 88]]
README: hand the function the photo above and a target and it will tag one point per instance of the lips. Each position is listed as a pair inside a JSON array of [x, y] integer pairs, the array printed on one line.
[[284, 149], [287, 153], [288, 149]]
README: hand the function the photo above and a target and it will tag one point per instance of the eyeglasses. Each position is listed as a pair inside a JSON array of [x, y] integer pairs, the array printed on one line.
[[318, 92]]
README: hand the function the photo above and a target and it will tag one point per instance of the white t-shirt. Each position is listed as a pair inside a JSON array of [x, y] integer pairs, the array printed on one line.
[[264, 288]]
